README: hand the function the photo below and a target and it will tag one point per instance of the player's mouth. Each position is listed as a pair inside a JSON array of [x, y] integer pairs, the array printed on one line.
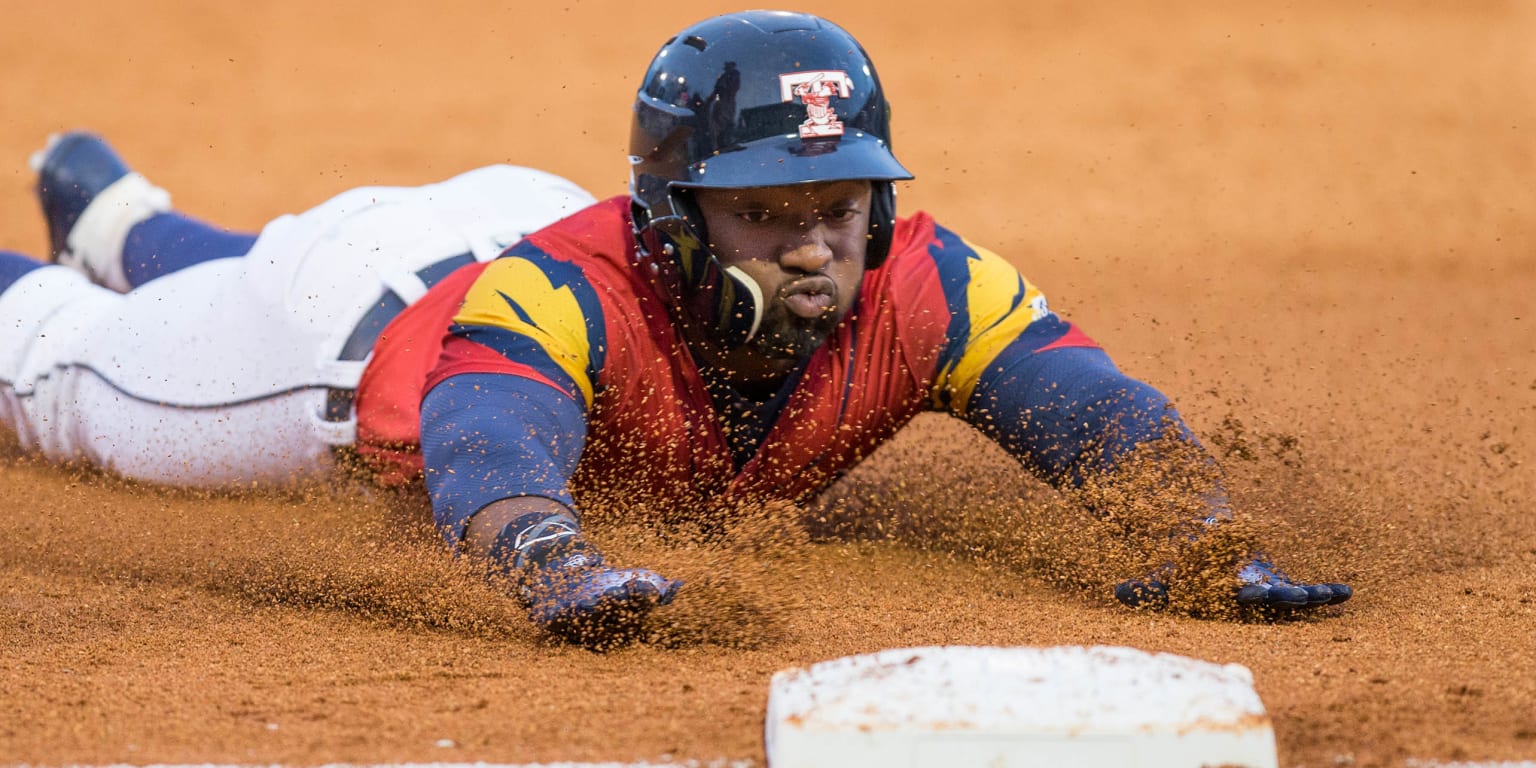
[[810, 297]]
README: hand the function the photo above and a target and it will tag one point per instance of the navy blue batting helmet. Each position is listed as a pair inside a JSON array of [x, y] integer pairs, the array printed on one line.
[[751, 99]]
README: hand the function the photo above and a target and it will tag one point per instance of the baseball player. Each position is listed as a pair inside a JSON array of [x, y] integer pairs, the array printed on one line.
[[749, 322]]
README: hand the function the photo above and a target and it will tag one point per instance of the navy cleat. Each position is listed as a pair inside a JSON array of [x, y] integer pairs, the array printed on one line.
[[72, 170], [91, 199]]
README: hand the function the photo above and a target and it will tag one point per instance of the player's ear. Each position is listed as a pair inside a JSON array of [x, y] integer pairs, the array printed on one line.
[[882, 223]]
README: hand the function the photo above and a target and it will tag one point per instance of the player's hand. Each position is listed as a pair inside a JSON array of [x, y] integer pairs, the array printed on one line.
[[1261, 586], [562, 579], [1264, 586], [585, 602], [1149, 592]]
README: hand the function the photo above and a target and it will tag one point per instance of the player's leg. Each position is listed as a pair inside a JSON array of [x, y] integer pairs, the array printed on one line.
[[170, 242], [229, 371], [111, 223], [181, 382]]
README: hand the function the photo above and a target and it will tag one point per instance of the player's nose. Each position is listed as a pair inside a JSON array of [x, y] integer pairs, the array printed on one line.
[[811, 253]]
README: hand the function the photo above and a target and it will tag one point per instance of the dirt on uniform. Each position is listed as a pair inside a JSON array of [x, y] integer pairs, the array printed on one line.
[[1313, 224]]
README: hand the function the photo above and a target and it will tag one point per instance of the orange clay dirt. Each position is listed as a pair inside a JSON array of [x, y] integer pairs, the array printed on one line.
[[1313, 224]]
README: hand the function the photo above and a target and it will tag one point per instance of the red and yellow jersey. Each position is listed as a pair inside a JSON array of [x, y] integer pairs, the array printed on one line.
[[568, 308]]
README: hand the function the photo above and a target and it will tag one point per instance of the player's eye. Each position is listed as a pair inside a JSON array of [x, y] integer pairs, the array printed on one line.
[[753, 216], [840, 213]]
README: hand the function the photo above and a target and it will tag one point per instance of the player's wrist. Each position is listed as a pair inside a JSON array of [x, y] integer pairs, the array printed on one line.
[[540, 541]]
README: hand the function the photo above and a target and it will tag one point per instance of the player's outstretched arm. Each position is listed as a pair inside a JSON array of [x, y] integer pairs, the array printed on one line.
[[499, 451], [1075, 419], [1051, 397]]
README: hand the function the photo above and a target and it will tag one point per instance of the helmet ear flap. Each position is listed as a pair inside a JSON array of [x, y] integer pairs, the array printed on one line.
[[686, 206], [680, 220], [727, 295], [724, 302], [882, 223]]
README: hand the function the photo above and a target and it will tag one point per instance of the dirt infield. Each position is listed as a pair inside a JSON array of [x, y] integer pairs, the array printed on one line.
[[1311, 223]]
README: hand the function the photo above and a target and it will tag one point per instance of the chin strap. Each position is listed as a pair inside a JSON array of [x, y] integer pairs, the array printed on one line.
[[741, 284]]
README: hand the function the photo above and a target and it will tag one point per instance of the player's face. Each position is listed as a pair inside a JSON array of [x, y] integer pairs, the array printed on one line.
[[804, 245]]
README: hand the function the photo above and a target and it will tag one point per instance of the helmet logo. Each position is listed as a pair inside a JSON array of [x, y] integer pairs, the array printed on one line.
[[815, 90]]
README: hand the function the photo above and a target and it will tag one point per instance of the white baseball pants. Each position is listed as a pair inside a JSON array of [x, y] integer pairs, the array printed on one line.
[[220, 374]]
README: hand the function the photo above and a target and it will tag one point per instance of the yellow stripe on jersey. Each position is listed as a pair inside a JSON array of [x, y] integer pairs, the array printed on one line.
[[996, 306], [515, 293]]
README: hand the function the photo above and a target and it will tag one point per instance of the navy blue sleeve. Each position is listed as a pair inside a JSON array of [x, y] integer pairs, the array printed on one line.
[[13, 266], [1067, 413], [488, 436]]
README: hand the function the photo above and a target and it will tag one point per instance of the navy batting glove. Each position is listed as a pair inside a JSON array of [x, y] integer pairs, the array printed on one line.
[[1150, 592], [567, 588], [1263, 586], [593, 605]]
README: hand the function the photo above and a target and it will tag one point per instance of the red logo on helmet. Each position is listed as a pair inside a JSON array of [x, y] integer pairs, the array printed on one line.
[[815, 90]]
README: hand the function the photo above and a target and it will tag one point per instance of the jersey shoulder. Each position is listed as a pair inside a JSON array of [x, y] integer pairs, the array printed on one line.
[[986, 302], [970, 276]]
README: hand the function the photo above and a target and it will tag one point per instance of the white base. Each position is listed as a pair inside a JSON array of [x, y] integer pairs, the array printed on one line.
[[966, 706]]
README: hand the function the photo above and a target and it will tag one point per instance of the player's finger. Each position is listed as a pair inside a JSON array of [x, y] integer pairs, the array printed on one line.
[[1318, 594], [1138, 593], [632, 589], [1273, 595], [641, 592], [652, 585], [1341, 592]]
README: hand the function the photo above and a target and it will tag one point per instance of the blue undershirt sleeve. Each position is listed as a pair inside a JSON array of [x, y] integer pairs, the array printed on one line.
[[13, 266], [489, 436], [1068, 413]]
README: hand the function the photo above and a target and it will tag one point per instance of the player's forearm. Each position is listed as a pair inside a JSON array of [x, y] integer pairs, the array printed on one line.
[[1116, 442], [1070, 413], [487, 438]]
